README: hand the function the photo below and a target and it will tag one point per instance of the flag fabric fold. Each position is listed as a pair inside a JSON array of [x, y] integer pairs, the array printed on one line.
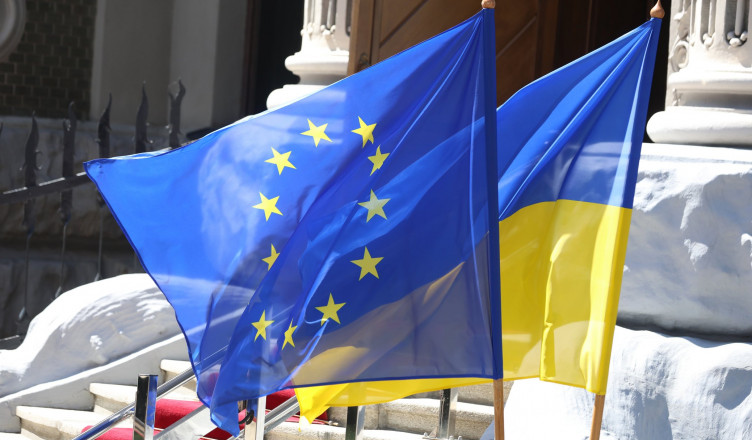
[[339, 245], [569, 145], [342, 238]]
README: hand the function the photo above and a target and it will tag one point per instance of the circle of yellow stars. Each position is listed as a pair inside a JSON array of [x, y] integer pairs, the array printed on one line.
[[374, 207]]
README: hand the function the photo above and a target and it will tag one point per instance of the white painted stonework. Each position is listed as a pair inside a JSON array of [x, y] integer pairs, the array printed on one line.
[[88, 327], [659, 388], [73, 392], [709, 87], [324, 52], [688, 271], [689, 256]]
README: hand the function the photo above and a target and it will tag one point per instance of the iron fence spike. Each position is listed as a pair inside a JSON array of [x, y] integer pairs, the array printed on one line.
[[30, 173], [174, 124], [103, 140], [141, 140], [103, 130], [69, 145]]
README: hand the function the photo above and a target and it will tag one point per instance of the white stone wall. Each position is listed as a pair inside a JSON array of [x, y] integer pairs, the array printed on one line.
[[687, 372]]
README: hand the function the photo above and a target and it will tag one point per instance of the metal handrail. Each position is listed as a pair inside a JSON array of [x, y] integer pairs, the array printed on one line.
[[103, 426], [43, 189], [281, 413], [276, 416], [273, 419]]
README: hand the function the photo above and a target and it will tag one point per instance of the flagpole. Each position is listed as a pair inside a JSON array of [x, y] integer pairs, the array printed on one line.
[[600, 399], [657, 11], [498, 391], [595, 426], [493, 217]]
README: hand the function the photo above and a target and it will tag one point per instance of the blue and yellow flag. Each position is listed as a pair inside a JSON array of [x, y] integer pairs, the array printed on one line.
[[568, 145], [342, 238]]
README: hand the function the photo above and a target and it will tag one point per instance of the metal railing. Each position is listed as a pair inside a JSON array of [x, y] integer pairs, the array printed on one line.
[[197, 422], [103, 426], [144, 407], [32, 190]]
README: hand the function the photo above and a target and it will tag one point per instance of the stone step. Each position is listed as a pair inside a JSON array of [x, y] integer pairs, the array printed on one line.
[[172, 368], [419, 416], [12, 436], [481, 394], [406, 419], [55, 423], [109, 398], [290, 431]]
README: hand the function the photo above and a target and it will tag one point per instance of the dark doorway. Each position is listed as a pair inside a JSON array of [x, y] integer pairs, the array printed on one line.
[[585, 25], [273, 34]]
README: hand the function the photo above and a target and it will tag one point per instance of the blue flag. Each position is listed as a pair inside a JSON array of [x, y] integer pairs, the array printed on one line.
[[342, 238]]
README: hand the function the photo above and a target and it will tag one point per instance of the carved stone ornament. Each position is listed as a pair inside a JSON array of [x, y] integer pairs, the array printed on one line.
[[736, 29], [324, 51], [12, 21], [679, 55], [709, 81]]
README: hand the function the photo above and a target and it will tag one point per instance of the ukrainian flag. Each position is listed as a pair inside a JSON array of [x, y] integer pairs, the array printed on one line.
[[569, 146]]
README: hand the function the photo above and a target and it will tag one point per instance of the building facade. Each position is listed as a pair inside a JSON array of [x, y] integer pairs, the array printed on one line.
[[234, 57]]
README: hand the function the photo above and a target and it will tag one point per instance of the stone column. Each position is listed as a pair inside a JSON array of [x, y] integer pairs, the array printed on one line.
[[324, 52], [709, 88]]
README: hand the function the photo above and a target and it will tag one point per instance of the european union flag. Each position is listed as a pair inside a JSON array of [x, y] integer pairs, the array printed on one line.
[[342, 238]]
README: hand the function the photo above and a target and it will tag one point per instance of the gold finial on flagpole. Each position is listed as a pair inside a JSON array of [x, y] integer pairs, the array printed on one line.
[[488, 4], [657, 11]]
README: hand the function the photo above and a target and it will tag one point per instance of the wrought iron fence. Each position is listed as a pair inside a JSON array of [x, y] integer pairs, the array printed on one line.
[[32, 190]]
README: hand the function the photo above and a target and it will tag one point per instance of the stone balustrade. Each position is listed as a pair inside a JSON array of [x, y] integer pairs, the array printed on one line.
[[324, 51], [709, 85]]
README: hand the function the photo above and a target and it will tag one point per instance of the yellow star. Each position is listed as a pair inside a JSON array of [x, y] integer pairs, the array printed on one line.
[[330, 310], [261, 326], [288, 335], [374, 206], [317, 133], [281, 160], [271, 258], [268, 205], [367, 264], [365, 130], [377, 159]]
